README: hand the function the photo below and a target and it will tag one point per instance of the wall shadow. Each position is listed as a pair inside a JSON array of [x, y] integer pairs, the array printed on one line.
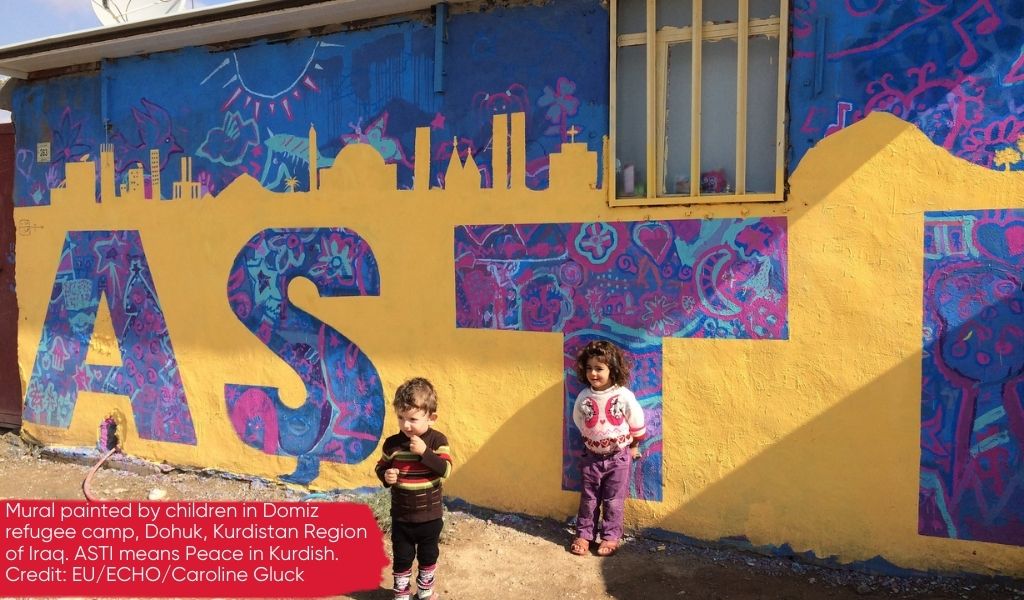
[[518, 468], [819, 173], [832, 492], [377, 594]]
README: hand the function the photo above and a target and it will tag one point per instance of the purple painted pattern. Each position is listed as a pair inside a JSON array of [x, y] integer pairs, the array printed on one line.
[[343, 415], [633, 283], [953, 69], [972, 384], [111, 263]]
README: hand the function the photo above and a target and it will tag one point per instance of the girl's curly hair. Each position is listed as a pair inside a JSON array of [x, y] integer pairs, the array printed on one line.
[[607, 353]]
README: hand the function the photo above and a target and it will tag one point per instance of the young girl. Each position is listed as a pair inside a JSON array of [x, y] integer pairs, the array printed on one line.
[[612, 423]]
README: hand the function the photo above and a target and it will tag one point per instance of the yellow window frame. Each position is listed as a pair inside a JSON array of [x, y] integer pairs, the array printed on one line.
[[657, 44]]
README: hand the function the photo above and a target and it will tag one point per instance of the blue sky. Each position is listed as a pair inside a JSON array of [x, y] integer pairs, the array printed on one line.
[[32, 19], [26, 20]]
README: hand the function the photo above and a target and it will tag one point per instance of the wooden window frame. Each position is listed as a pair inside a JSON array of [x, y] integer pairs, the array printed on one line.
[[657, 47]]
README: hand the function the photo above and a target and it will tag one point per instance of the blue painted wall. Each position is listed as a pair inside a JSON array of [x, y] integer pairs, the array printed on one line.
[[64, 111], [972, 377], [955, 69], [249, 110]]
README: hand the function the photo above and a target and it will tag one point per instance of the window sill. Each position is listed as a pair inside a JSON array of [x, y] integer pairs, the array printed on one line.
[[689, 200]]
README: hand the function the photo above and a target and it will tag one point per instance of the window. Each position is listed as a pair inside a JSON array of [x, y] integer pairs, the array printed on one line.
[[711, 112]]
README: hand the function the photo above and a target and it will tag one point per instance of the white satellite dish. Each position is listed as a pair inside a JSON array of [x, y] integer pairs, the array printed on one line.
[[119, 12]]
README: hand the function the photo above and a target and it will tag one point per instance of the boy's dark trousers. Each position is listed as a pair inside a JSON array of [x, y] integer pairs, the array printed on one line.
[[415, 541]]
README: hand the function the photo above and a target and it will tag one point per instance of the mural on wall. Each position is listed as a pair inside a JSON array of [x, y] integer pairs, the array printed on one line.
[[728, 264], [972, 413], [108, 265], [953, 69], [66, 113], [630, 282], [150, 129], [343, 415], [249, 111]]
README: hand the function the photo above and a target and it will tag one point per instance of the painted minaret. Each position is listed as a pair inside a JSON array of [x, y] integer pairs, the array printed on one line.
[[314, 184]]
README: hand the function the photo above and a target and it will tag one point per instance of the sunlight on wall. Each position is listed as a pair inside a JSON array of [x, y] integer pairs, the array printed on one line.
[[276, 327]]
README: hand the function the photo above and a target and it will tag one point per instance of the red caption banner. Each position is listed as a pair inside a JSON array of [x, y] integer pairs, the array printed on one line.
[[188, 549]]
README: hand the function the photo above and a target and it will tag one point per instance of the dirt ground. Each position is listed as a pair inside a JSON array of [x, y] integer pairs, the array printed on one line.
[[488, 555]]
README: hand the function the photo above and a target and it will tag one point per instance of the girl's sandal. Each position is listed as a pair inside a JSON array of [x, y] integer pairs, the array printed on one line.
[[579, 546], [608, 547]]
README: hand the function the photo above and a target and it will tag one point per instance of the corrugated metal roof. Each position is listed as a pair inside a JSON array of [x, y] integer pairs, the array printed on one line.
[[218, 24]]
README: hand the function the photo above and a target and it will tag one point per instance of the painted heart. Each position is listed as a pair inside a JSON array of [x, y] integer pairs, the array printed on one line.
[[1015, 239], [1001, 241], [655, 238], [526, 232]]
